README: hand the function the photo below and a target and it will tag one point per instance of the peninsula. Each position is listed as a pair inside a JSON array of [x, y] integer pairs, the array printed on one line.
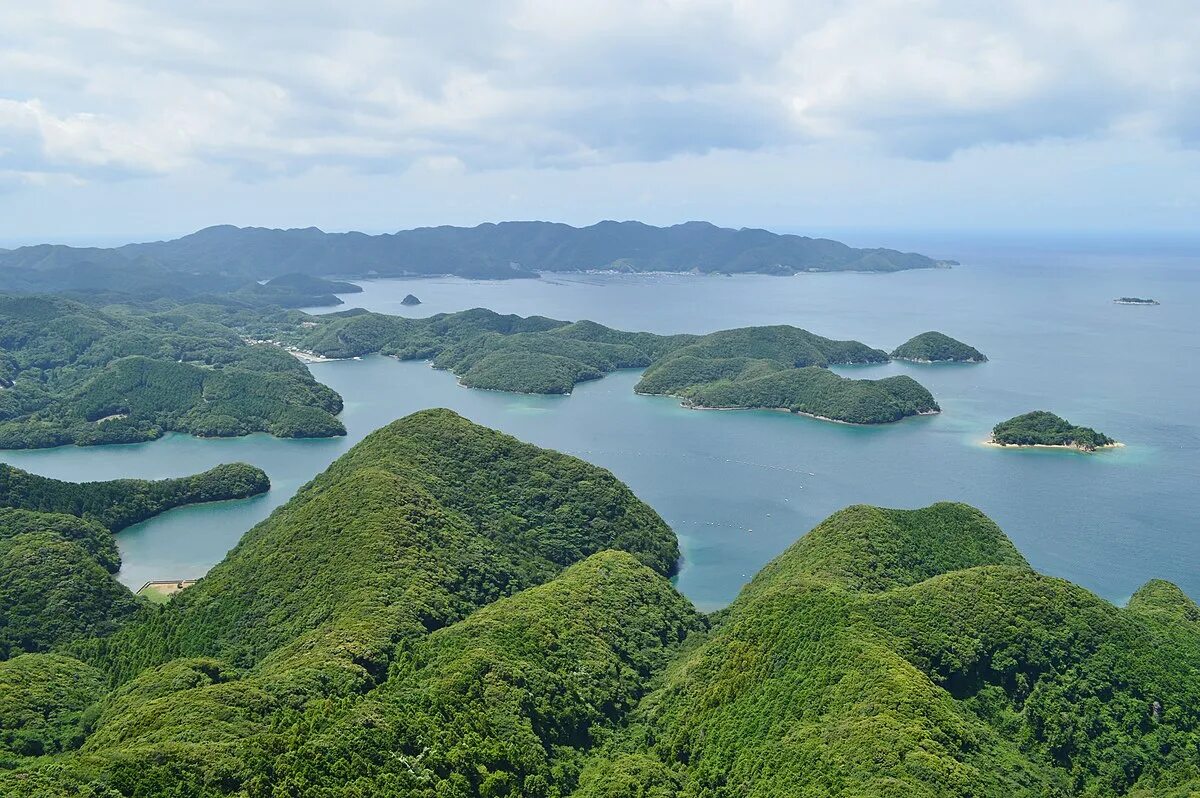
[[936, 347], [1044, 429]]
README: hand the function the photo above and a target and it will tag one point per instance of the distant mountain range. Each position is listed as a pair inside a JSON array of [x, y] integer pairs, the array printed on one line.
[[226, 257]]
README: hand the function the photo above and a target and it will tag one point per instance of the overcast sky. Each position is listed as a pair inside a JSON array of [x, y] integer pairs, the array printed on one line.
[[122, 119]]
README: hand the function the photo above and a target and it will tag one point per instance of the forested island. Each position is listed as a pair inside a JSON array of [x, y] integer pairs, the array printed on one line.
[[226, 258], [76, 374], [448, 612], [779, 366], [936, 347], [58, 556], [1043, 428], [409, 300], [1134, 300]]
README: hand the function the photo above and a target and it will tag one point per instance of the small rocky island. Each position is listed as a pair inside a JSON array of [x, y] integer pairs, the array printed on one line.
[[936, 347], [1042, 428], [410, 300], [1134, 300]]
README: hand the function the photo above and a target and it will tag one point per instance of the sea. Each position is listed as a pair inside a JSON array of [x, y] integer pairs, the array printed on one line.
[[738, 487]]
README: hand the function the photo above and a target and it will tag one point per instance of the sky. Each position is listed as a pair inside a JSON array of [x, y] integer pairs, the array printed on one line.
[[130, 120]]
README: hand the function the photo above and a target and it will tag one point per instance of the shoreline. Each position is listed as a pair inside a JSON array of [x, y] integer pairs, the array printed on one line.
[[924, 362], [789, 411], [1063, 446], [311, 357]]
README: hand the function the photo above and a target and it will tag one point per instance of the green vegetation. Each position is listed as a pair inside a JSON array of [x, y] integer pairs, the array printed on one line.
[[782, 368], [119, 503], [447, 612], [85, 376], [936, 347], [298, 291], [1135, 300], [914, 653], [775, 367], [818, 392], [410, 300], [58, 555], [329, 601], [53, 592], [1042, 428], [92, 536], [223, 257], [42, 701]]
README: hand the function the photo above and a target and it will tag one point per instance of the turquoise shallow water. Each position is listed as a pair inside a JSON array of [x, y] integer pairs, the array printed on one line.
[[739, 486]]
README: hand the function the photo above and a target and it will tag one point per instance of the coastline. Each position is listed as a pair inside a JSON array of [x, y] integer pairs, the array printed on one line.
[[1066, 446], [925, 362], [683, 403]]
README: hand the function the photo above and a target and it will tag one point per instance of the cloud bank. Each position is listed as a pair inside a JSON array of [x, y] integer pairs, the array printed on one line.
[[105, 91]]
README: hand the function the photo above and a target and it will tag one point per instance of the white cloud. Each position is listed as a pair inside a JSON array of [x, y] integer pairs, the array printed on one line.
[[129, 87], [758, 112]]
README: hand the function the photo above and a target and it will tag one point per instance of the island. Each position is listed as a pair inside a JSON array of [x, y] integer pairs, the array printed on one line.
[[224, 257], [410, 300], [936, 347], [1044, 429], [769, 367], [1134, 300], [449, 611]]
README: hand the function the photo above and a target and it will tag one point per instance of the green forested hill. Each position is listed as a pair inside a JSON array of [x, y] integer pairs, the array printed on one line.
[[448, 612], [936, 347], [58, 555], [328, 600], [77, 374], [769, 367], [914, 653], [1043, 428]]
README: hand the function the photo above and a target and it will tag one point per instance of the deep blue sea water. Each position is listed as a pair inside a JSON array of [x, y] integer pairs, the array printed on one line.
[[739, 486]]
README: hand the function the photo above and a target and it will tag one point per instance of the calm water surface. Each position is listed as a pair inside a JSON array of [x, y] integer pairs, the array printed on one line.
[[740, 486]]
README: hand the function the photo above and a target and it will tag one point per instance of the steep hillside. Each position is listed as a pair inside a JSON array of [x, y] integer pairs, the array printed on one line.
[[447, 611], [328, 600], [915, 653]]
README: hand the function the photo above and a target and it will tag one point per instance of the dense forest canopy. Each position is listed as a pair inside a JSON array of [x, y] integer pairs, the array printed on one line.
[[936, 347], [913, 652], [447, 611], [75, 373], [58, 556], [223, 258], [771, 366], [78, 374], [118, 503], [1043, 428]]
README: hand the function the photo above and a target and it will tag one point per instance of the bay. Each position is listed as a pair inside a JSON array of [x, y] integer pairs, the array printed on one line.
[[739, 486]]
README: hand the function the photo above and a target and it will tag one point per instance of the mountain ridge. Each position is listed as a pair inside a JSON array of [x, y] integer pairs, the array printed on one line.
[[493, 250]]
